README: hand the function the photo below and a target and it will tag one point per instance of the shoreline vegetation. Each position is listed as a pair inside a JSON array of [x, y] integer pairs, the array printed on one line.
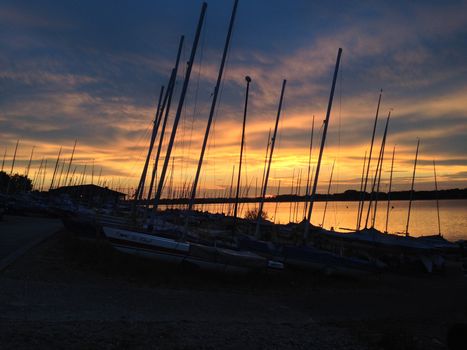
[[346, 196]]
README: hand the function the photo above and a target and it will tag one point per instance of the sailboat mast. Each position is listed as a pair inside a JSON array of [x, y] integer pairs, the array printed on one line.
[[30, 161], [329, 190], [213, 105], [308, 177], [166, 116], [379, 182], [55, 169], [71, 161], [411, 189], [437, 199], [14, 158], [277, 200], [323, 141], [273, 142], [389, 190], [155, 124], [375, 179], [265, 160], [361, 189], [362, 196], [160, 184], [245, 109], [4, 156]]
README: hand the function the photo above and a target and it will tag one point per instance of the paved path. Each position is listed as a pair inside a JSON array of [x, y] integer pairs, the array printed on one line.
[[18, 234]]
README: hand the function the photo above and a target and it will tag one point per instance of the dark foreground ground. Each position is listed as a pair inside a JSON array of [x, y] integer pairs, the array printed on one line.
[[67, 294]]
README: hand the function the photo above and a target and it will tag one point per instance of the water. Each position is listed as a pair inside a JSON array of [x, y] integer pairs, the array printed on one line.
[[342, 215]]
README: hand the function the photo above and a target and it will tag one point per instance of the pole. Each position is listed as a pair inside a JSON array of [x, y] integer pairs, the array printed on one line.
[[323, 141], [179, 109], [71, 161], [213, 106], [14, 158], [437, 199], [30, 161], [389, 190], [329, 190], [55, 169], [361, 188], [308, 178], [273, 142], [411, 189], [4, 156], [166, 117], [362, 197], [245, 109], [381, 151]]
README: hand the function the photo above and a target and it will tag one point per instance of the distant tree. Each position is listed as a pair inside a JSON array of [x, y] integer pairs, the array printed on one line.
[[253, 214], [15, 183]]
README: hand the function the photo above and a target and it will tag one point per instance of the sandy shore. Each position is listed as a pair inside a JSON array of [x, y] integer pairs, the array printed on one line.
[[66, 293]]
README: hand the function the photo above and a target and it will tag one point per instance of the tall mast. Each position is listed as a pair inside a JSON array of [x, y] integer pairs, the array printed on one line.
[[379, 180], [389, 190], [323, 141], [166, 116], [361, 188], [4, 156], [14, 158], [71, 161], [29, 163], [375, 179], [308, 178], [329, 190], [265, 160], [411, 189], [362, 196], [142, 180], [273, 142], [437, 199], [213, 105], [160, 184], [277, 200], [55, 169], [231, 189], [43, 174], [245, 109]]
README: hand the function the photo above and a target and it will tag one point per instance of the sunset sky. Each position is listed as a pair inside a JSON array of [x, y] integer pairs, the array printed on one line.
[[92, 70]]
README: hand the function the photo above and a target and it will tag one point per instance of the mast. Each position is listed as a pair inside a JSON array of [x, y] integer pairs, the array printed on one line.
[[277, 200], [389, 189], [265, 160], [142, 180], [231, 188], [213, 105], [437, 199], [29, 163], [245, 109], [166, 116], [273, 142], [323, 141], [378, 165], [361, 188], [329, 190], [71, 161], [4, 156], [379, 176], [43, 175], [14, 158], [362, 198], [411, 189], [55, 169], [160, 185], [308, 178]]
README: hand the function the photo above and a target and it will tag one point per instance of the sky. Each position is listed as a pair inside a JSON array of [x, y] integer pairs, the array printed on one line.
[[92, 71]]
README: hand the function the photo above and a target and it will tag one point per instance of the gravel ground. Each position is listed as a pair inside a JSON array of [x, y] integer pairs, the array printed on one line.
[[69, 294]]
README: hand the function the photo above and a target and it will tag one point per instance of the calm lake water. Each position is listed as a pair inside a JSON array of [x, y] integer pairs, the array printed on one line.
[[343, 215]]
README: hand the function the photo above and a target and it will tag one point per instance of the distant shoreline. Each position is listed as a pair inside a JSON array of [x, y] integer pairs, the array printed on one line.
[[347, 196]]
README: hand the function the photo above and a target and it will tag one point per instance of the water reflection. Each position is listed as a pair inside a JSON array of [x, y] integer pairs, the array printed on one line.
[[343, 215]]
